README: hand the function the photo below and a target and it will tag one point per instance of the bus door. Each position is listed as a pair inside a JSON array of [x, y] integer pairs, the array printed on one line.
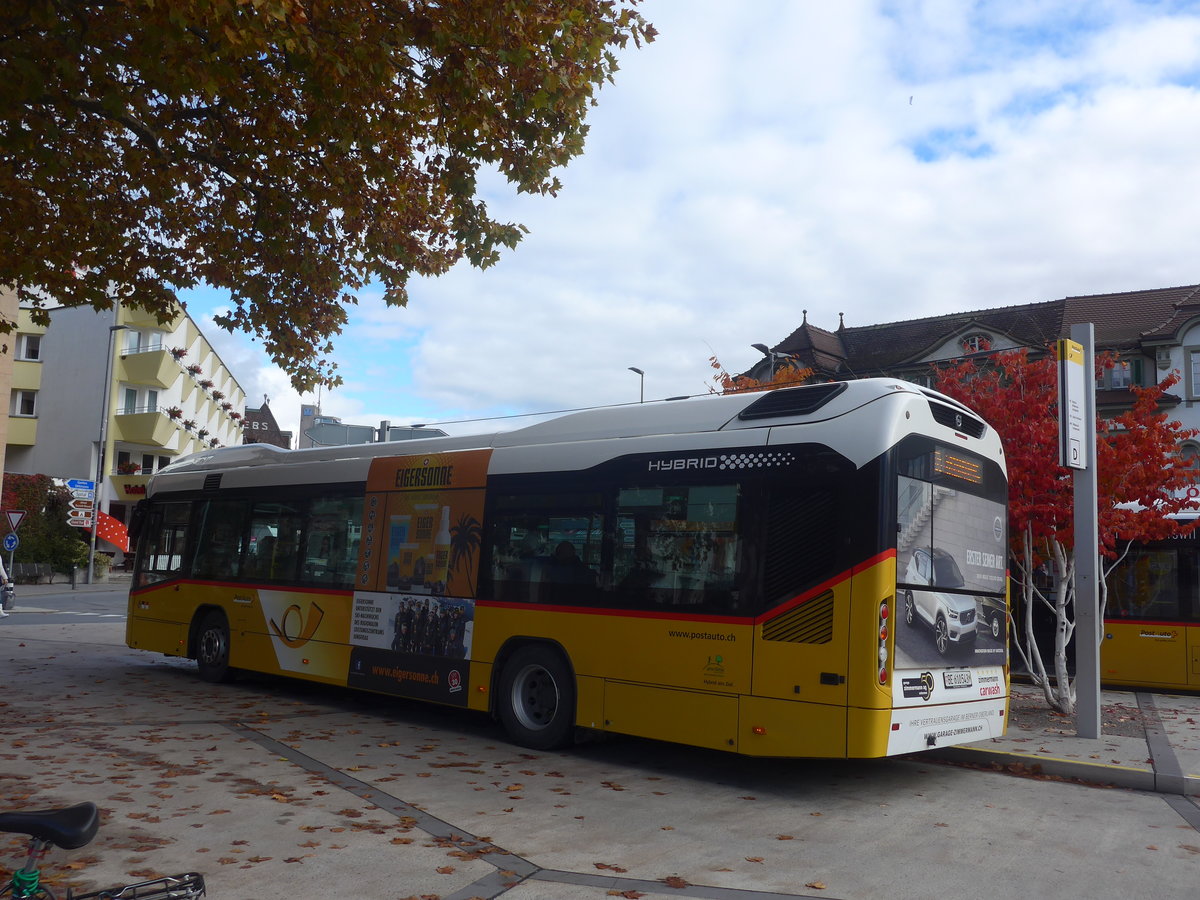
[[801, 637], [1144, 640]]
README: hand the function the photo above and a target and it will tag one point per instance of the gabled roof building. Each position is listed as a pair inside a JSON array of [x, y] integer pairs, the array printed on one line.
[[1154, 331]]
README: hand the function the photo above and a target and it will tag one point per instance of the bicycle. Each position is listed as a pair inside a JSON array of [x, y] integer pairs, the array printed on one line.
[[71, 828]]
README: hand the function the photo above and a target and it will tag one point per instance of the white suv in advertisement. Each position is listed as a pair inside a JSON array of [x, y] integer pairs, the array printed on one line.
[[951, 616]]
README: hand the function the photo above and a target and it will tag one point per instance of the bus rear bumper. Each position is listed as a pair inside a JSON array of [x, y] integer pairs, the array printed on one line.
[[916, 728]]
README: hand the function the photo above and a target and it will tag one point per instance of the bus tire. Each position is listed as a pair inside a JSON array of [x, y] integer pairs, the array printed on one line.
[[212, 648], [536, 703]]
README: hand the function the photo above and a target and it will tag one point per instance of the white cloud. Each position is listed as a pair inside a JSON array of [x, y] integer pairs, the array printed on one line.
[[763, 158]]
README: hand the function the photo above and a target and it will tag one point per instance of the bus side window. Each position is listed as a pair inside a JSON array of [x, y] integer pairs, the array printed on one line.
[[548, 548], [162, 550], [220, 525], [333, 528], [677, 546]]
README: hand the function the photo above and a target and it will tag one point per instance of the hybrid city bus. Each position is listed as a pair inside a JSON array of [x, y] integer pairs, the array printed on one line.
[[817, 571]]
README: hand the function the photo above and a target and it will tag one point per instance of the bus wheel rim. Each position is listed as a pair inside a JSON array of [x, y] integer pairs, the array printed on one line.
[[534, 697], [212, 646]]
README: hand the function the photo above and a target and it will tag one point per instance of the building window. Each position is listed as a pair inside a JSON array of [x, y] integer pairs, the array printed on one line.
[[29, 347], [129, 406], [1193, 373], [1189, 452], [1122, 375], [23, 403], [976, 343]]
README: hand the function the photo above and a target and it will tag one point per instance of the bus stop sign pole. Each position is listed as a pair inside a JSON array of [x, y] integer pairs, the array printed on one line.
[[1077, 438]]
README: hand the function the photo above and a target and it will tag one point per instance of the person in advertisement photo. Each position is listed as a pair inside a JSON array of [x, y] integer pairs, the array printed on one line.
[[951, 571], [415, 645]]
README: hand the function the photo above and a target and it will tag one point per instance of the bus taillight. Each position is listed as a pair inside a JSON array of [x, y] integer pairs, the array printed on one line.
[[884, 612]]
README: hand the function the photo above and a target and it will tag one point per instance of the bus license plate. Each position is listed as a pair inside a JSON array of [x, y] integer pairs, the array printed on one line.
[[956, 679]]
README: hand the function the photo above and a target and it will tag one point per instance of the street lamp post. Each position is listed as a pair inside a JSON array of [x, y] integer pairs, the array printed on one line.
[[642, 383], [101, 451], [771, 356]]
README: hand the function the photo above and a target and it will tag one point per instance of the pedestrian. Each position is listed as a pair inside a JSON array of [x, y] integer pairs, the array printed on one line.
[[6, 591]]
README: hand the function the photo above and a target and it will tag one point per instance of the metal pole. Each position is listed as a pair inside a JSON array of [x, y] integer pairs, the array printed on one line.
[[1088, 621], [101, 453], [641, 383]]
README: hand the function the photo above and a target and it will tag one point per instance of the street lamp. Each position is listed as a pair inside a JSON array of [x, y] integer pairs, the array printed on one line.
[[642, 383], [101, 451], [771, 356]]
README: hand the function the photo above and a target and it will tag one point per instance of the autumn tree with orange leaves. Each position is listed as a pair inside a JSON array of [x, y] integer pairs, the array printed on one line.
[[1140, 477], [289, 152], [787, 375]]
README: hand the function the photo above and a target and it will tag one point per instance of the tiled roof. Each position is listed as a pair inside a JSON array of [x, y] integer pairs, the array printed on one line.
[[870, 349], [1123, 320]]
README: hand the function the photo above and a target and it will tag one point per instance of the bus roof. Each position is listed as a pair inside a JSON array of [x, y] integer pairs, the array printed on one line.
[[718, 412]]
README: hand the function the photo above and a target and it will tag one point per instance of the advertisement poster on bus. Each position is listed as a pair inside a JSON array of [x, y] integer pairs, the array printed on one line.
[[411, 644], [418, 569], [951, 567], [423, 526]]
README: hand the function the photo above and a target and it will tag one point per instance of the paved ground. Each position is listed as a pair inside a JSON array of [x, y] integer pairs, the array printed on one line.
[[1149, 741], [281, 790]]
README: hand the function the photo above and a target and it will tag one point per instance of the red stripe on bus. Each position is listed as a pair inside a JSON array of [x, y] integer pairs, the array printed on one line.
[[801, 599], [243, 585], [624, 613]]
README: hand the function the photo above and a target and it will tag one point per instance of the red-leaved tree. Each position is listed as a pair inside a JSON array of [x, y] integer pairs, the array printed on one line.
[[1140, 479]]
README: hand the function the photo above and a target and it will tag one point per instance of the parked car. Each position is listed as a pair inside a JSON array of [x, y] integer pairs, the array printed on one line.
[[951, 616], [991, 612]]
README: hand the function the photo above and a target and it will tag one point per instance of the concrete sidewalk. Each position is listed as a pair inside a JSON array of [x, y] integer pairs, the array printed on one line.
[[1148, 742], [62, 584]]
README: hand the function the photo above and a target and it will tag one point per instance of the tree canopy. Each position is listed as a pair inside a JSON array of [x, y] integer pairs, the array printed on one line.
[[288, 151], [44, 534]]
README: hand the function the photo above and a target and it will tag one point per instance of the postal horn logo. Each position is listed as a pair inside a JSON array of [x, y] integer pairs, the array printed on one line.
[[297, 630]]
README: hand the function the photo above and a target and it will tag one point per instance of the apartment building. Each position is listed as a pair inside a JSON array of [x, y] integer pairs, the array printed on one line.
[[115, 396]]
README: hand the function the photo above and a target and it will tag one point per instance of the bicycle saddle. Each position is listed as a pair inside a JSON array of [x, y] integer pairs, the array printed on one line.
[[68, 828]]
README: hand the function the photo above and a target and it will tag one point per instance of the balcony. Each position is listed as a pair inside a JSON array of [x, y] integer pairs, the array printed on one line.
[[27, 376], [137, 318], [147, 427], [154, 367], [22, 430]]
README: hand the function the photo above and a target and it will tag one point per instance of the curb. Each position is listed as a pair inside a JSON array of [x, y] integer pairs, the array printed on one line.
[[1096, 773]]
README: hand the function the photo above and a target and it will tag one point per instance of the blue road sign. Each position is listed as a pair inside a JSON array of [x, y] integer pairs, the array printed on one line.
[[11, 542], [78, 484]]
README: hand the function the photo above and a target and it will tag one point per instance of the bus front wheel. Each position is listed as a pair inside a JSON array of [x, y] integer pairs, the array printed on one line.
[[537, 699], [212, 648]]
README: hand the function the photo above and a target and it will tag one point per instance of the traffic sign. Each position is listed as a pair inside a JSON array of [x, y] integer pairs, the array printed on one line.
[[78, 484], [81, 518], [80, 523], [82, 504], [11, 542], [14, 517], [84, 495]]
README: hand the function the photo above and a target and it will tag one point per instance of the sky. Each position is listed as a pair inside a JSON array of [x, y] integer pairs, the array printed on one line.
[[879, 160]]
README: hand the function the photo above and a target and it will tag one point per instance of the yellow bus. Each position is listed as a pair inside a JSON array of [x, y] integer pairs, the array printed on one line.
[[807, 572], [1152, 618]]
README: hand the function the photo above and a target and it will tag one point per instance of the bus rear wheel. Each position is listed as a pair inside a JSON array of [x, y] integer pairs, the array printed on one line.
[[537, 699], [212, 648]]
